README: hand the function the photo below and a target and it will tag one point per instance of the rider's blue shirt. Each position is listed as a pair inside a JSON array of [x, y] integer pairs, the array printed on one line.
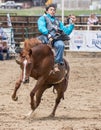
[[43, 28]]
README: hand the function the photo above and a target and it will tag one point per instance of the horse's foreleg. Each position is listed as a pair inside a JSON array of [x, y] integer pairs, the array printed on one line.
[[17, 85]]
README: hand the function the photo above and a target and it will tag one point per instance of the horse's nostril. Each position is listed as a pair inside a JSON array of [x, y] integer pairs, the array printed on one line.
[[26, 81]]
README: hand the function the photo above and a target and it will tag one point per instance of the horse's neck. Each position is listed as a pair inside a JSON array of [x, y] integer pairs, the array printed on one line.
[[30, 43]]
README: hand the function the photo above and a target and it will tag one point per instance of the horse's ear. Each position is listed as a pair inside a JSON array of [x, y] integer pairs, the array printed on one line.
[[30, 52]]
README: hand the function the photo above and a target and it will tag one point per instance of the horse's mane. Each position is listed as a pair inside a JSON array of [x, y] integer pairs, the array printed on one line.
[[29, 43]]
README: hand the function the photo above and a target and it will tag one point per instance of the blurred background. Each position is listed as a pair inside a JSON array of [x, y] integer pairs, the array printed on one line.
[[69, 4]]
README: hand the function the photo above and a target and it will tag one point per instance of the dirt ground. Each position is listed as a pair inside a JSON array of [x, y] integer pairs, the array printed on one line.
[[81, 109]]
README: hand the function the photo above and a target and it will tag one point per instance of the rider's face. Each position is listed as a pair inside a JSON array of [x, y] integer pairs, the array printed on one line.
[[51, 11]]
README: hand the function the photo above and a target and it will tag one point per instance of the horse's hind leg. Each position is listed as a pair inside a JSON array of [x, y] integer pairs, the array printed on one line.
[[60, 88], [60, 95], [39, 85], [17, 85], [38, 98], [39, 95]]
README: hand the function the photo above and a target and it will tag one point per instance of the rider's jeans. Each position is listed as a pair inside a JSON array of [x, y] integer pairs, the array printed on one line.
[[59, 49]]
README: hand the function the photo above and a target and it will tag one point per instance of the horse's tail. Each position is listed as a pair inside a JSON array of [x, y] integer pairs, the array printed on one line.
[[67, 68], [55, 93]]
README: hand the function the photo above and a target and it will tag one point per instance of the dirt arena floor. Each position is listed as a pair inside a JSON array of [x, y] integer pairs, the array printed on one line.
[[81, 109]]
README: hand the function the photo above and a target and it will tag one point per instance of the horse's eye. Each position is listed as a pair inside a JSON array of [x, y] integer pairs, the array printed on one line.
[[23, 56]]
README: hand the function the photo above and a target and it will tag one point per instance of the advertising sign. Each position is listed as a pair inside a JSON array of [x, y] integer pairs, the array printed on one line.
[[86, 40]]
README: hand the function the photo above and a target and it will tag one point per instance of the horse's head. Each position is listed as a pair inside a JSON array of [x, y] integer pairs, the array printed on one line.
[[27, 45], [25, 63], [25, 57]]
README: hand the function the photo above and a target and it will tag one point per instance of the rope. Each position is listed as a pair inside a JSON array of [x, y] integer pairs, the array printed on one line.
[[61, 78]]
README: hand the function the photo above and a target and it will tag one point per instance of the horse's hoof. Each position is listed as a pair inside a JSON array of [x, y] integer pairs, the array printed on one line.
[[14, 98], [51, 115], [33, 108], [30, 113], [26, 81]]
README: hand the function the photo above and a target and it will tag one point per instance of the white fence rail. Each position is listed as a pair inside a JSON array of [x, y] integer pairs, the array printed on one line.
[[88, 27]]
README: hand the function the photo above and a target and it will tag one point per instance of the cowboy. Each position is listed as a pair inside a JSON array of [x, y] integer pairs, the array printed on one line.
[[49, 25]]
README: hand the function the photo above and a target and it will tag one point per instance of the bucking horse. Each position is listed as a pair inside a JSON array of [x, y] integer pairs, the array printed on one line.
[[37, 61]]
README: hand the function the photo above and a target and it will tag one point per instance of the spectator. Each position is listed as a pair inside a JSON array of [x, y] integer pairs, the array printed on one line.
[[70, 18], [92, 20], [3, 35], [4, 50]]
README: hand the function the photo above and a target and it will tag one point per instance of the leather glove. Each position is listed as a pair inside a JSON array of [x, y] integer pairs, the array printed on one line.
[[72, 19], [50, 37]]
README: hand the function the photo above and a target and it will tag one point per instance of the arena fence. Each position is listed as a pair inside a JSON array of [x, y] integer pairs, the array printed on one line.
[[26, 27]]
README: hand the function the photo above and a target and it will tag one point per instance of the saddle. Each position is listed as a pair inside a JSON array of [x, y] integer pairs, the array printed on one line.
[[60, 35]]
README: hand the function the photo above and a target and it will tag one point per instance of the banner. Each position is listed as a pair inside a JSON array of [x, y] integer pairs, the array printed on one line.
[[86, 40]]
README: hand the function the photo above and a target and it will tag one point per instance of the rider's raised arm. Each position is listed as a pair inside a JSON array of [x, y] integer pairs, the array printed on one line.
[[68, 29]]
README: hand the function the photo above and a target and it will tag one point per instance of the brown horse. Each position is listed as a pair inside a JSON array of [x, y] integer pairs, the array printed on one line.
[[38, 62]]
